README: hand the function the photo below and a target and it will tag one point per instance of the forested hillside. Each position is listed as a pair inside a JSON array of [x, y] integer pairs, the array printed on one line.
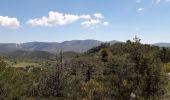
[[121, 71]]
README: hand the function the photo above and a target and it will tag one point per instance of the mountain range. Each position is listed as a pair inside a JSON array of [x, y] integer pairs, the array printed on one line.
[[55, 47], [163, 44]]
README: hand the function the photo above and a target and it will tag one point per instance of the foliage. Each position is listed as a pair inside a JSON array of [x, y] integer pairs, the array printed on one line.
[[92, 90], [167, 67], [123, 71]]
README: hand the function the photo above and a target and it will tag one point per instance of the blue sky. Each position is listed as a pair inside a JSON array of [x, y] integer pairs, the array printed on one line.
[[105, 20]]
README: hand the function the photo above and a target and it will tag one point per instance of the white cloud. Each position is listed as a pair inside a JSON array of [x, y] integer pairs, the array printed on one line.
[[90, 22], [140, 9], [138, 1], [8, 22], [85, 17], [53, 19], [98, 15], [159, 1], [105, 23], [60, 19]]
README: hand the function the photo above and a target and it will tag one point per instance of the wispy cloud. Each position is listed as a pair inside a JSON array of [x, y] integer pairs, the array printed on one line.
[[159, 1], [140, 9], [9, 22], [86, 17], [91, 22], [98, 16], [105, 23], [154, 1], [60, 19], [139, 1]]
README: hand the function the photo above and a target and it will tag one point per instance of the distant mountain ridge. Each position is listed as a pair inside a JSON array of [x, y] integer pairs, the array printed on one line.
[[163, 44], [53, 47]]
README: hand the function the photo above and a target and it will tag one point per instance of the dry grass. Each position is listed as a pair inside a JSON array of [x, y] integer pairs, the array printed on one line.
[[25, 64]]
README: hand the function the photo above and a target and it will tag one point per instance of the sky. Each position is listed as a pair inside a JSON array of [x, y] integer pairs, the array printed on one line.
[[104, 20]]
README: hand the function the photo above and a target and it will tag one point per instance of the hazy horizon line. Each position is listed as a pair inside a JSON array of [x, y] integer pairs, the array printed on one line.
[[80, 40]]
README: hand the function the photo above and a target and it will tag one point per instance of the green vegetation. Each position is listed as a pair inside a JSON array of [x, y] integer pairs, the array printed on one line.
[[25, 64], [122, 71]]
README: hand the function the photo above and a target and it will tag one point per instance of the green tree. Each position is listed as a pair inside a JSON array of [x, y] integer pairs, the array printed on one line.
[[138, 71], [2, 83]]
